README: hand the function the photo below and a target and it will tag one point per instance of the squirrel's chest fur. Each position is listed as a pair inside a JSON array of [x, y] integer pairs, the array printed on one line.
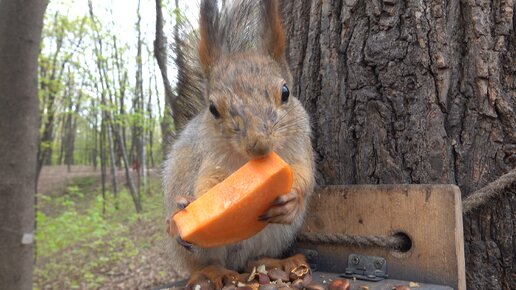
[[182, 170]]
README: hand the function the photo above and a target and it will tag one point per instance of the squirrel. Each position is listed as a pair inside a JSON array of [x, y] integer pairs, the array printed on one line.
[[240, 82]]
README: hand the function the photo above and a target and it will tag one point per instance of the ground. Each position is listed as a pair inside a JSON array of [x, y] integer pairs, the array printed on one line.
[[83, 242]]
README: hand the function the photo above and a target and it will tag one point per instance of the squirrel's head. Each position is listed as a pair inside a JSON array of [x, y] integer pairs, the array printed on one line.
[[247, 92]]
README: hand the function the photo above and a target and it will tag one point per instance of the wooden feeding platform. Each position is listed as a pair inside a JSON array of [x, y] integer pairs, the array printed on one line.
[[382, 236], [430, 216]]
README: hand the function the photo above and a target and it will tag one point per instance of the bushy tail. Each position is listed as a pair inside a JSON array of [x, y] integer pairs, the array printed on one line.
[[237, 29]]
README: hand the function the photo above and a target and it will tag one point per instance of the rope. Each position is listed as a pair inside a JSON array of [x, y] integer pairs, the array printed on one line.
[[394, 242], [489, 191], [397, 242]]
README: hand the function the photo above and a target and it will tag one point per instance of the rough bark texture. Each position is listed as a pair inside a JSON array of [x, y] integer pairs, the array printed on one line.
[[20, 33], [415, 92], [160, 53]]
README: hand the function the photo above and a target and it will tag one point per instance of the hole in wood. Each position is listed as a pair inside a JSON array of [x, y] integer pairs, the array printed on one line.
[[406, 243]]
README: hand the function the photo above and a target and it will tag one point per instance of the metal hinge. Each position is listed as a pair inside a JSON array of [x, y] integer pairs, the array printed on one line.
[[367, 268]]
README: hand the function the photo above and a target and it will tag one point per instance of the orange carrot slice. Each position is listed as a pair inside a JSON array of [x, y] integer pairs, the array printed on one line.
[[229, 211]]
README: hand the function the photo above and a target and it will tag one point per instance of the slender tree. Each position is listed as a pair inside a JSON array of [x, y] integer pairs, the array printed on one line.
[[139, 131], [160, 53], [65, 37]]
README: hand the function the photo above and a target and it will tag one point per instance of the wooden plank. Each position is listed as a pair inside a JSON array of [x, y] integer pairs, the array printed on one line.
[[431, 215]]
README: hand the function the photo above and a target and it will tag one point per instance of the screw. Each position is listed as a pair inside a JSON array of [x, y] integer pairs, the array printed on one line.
[[355, 260], [378, 264]]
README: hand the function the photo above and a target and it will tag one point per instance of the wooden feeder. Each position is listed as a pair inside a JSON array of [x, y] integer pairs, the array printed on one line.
[[429, 215], [427, 219]]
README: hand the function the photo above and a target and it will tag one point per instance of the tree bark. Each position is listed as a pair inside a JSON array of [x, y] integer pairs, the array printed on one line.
[[139, 105], [122, 76], [160, 53], [95, 135], [415, 92], [103, 170], [70, 141], [132, 189], [20, 34]]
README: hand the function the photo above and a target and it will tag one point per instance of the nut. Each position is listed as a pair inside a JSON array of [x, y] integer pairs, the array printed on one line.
[[307, 279], [277, 274], [298, 284], [315, 286], [339, 284], [263, 279], [299, 271]]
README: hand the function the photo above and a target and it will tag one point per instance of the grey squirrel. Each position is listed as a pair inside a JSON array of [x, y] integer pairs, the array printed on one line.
[[236, 82]]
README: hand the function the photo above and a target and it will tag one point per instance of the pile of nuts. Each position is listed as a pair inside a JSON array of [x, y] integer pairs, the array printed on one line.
[[299, 278]]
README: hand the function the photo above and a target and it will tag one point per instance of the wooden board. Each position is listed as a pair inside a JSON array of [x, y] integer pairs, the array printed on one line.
[[431, 215]]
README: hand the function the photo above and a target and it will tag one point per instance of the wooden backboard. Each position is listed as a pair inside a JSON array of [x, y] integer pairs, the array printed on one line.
[[431, 215]]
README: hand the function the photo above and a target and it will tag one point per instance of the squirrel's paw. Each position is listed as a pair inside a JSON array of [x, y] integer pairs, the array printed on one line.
[[212, 277], [188, 246], [283, 210], [183, 201]]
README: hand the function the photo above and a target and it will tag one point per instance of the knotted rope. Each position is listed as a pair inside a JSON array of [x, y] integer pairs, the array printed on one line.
[[489, 191], [397, 242]]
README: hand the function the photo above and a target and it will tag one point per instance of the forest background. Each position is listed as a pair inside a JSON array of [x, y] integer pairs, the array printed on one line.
[[402, 91]]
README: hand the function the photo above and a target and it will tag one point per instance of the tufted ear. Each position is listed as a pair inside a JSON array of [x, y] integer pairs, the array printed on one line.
[[209, 42], [273, 41]]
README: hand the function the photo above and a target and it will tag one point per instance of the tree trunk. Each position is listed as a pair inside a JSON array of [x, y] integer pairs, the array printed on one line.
[[103, 170], [132, 189], [95, 136], [70, 146], [150, 126], [415, 92], [20, 34], [113, 165], [139, 104], [160, 53], [122, 77], [69, 133]]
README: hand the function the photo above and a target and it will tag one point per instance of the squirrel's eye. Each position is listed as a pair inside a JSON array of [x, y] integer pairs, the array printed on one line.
[[213, 110], [285, 93]]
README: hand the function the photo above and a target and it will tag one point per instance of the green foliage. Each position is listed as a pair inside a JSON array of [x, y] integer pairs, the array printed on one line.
[[80, 241], [85, 64]]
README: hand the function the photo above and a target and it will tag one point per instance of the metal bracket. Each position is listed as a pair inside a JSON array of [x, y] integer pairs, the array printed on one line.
[[367, 268]]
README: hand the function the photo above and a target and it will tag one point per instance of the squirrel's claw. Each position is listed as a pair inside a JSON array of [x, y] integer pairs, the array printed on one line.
[[189, 246], [183, 201], [283, 210]]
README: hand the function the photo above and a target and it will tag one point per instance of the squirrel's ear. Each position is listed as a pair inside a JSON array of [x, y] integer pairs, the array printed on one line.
[[209, 42], [273, 34]]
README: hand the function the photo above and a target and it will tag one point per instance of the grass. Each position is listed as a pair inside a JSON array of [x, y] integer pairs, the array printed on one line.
[[80, 238]]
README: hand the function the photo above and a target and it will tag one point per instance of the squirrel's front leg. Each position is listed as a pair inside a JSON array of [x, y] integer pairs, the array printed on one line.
[[286, 208], [209, 175]]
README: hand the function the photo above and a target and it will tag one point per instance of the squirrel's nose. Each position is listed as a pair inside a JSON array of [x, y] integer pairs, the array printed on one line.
[[259, 147]]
